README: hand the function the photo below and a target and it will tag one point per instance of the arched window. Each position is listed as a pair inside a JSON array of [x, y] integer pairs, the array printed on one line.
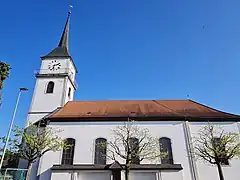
[[134, 150], [166, 147], [50, 87], [68, 154], [100, 151]]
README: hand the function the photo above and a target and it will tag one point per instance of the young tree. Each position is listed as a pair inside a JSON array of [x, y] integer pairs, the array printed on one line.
[[217, 147], [34, 141], [4, 73], [132, 144], [11, 155]]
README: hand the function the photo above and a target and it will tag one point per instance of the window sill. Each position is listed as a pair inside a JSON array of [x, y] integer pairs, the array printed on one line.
[[176, 167]]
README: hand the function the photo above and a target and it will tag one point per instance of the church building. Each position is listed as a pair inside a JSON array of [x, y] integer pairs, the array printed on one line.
[[84, 123]]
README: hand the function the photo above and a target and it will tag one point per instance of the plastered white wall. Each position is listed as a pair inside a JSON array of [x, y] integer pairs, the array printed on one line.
[[66, 66], [106, 175], [61, 176], [140, 175], [44, 103], [86, 133], [45, 63], [170, 175]]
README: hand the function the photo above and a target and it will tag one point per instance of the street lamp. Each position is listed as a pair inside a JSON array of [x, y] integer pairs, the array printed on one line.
[[11, 124]]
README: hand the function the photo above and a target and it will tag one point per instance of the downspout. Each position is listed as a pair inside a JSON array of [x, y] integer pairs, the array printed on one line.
[[188, 139]]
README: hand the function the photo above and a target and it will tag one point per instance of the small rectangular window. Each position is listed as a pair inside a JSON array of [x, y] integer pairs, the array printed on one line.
[[69, 92]]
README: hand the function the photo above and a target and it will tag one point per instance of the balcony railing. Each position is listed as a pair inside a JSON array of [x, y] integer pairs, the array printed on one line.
[[61, 71]]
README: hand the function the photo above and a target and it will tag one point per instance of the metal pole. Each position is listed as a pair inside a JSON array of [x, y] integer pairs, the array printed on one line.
[[11, 124]]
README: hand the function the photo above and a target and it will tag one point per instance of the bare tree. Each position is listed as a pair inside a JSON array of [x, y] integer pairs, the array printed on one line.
[[217, 147], [132, 144], [34, 141]]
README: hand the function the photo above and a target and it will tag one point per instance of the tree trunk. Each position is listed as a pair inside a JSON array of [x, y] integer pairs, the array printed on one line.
[[126, 172], [127, 168], [220, 172], [29, 169]]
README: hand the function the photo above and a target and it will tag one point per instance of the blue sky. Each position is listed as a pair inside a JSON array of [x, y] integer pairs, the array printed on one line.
[[128, 49]]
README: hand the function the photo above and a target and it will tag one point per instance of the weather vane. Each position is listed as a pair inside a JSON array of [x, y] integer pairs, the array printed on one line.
[[70, 9]]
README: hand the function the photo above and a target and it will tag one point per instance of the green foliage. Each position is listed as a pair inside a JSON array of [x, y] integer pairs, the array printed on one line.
[[11, 155], [4, 73], [214, 145], [34, 141]]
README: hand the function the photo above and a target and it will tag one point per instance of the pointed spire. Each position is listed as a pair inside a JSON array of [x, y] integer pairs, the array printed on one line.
[[62, 49], [64, 39]]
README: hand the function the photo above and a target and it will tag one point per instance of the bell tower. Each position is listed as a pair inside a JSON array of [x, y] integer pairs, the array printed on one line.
[[55, 81]]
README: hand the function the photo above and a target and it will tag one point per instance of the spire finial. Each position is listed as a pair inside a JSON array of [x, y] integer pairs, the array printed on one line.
[[70, 9]]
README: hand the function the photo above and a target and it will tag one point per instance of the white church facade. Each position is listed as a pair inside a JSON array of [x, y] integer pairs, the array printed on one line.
[[85, 122]]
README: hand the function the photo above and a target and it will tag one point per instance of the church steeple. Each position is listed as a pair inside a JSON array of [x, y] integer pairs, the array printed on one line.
[[62, 49], [55, 81], [64, 39]]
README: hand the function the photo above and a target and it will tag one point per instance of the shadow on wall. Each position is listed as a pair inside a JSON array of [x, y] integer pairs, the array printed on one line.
[[46, 175]]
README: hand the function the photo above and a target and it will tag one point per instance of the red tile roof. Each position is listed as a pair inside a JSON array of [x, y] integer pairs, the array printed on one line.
[[138, 108]]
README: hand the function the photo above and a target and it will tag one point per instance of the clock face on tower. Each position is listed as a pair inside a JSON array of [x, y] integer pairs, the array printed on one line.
[[54, 65]]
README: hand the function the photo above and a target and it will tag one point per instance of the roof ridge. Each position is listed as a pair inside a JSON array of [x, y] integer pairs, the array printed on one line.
[[165, 106]]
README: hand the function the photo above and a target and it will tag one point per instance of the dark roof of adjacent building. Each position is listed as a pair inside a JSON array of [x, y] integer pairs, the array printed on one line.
[[168, 109], [62, 49]]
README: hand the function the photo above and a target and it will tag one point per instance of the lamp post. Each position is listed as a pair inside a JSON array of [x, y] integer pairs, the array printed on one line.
[[11, 124]]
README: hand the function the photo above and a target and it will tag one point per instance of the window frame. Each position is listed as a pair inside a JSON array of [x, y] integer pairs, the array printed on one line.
[[50, 87], [98, 158], [132, 142], [165, 145], [68, 154]]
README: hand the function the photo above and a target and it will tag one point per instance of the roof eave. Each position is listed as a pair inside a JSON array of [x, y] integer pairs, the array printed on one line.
[[143, 118]]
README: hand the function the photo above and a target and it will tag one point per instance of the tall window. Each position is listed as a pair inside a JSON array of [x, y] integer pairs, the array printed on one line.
[[50, 87], [217, 144], [166, 147], [134, 149], [100, 151], [68, 154]]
